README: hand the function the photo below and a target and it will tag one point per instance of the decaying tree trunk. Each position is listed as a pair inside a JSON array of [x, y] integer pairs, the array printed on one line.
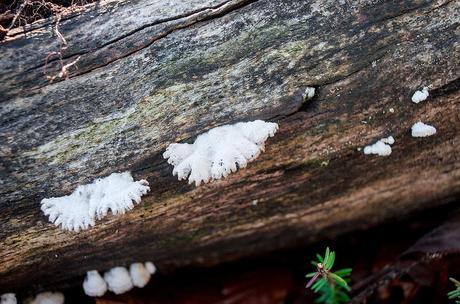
[[151, 73]]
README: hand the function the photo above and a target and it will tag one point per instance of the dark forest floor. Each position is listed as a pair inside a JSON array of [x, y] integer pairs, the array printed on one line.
[[278, 277]]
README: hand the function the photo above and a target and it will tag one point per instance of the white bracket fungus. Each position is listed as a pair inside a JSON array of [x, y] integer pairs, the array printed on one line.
[[220, 151], [420, 129], [118, 280], [48, 298], [420, 95], [381, 147], [117, 192], [8, 298], [94, 285]]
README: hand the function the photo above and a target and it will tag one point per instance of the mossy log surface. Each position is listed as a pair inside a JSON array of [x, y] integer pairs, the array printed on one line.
[[155, 72]]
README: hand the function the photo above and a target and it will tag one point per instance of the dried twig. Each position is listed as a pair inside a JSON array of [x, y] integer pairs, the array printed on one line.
[[18, 13], [64, 71], [62, 40], [30, 10]]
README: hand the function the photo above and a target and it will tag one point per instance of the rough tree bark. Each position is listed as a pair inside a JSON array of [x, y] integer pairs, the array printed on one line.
[[153, 72]]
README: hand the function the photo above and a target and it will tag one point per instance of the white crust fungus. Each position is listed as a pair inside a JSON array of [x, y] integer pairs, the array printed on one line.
[[389, 140], [309, 93], [420, 129], [94, 285], [381, 147], [220, 151], [420, 95], [117, 192]]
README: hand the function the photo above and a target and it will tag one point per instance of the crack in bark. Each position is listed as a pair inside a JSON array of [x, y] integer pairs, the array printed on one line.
[[367, 63], [202, 15], [145, 26], [446, 89], [402, 13], [303, 107], [215, 12]]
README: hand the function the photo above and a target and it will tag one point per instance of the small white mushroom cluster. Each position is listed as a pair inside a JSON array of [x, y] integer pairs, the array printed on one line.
[[118, 279], [8, 298], [47, 298], [41, 298]]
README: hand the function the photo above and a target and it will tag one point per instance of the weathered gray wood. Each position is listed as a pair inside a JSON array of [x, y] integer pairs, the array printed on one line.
[[169, 76], [85, 33]]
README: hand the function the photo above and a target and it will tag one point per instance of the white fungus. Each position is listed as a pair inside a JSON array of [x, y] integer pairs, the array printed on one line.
[[420, 95], [309, 93], [381, 147], [48, 298], [117, 192], [118, 280], [220, 151], [140, 276], [8, 298], [94, 285], [420, 129], [150, 267], [389, 140]]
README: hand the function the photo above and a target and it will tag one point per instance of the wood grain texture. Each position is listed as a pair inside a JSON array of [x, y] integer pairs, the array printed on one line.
[[148, 77]]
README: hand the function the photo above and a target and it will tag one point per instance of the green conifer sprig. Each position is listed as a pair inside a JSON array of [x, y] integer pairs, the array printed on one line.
[[332, 287], [455, 294]]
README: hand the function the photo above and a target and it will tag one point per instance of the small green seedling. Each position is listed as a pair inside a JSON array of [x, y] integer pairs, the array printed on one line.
[[332, 286], [455, 294]]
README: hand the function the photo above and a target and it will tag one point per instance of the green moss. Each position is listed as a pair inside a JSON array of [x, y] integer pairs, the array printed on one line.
[[248, 44], [316, 163], [147, 113], [330, 126], [72, 145]]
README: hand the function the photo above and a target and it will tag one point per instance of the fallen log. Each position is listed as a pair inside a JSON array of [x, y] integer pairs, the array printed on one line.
[[150, 74]]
